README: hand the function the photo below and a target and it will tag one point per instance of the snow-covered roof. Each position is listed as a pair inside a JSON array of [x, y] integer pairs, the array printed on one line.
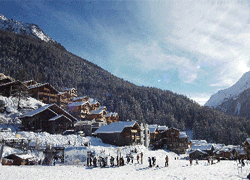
[[198, 150], [77, 103], [183, 134], [110, 114], [25, 156], [37, 111], [198, 141], [248, 140], [115, 127], [93, 101], [57, 117], [81, 97], [99, 111], [69, 89], [202, 147], [152, 128], [162, 128], [228, 148]]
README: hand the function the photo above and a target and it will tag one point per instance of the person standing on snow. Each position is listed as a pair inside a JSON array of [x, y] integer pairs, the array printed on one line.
[[132, 158], [141, 158], [149, 161], [166, 161], [138, 157], [191, 161]]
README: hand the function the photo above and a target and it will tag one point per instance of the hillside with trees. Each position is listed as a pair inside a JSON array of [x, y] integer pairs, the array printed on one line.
[[24, 57]]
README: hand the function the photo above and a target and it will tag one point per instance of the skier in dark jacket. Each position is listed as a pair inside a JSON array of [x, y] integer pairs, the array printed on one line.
[[149, 161]]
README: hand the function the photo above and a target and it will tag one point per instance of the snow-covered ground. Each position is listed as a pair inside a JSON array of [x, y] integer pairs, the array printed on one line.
[[75, 162]]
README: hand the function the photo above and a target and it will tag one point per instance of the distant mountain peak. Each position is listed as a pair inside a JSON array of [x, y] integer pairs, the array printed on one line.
[[2, 17], [24, 28], [232, 92]]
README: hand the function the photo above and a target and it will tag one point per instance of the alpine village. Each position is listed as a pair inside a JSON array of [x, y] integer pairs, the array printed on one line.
[[84, 101]]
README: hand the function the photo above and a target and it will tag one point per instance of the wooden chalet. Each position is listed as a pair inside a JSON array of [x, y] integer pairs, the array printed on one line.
[[246, 146], [94, 105], [71, 91], [18, 159], [43, 92], [123, 133], [50, 118], [228, 152], [174, 140], [9, 88], [79, 109], [111, 117], [198, 154], [63, 99], [154, 133], [98, 115]]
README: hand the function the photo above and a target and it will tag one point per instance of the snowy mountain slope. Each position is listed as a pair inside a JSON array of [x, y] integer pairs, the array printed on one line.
[[24, 28], [230, 93]]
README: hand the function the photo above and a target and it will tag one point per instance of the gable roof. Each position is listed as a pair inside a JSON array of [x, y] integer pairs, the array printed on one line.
[[247, 140], [115, 127], [152, 128], [37, 111], [58, 117], [51, 107], [162, 128], [40, 85]]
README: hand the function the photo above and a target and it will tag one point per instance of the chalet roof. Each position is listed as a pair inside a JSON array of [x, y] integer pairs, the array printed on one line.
[[183, 134], [21, 156], [203, 147], [198, 141], [69, 89], [30, 81], [58, 117], [99, 111], [75, 104], [198, 151], [115, 127], [2, 76], [162, 128], [111, 114], [13, 82], [37, 111], [152, 128], [240, 150], [40, 85], [228, 148], [81, 97], [248, 140], [48, 107]]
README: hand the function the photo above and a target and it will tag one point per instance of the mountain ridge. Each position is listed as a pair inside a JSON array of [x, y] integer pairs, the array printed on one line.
[[25, 28], [229, 93]]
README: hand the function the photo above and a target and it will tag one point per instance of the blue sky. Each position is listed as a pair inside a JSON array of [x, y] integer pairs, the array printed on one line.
[[190, 47]]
